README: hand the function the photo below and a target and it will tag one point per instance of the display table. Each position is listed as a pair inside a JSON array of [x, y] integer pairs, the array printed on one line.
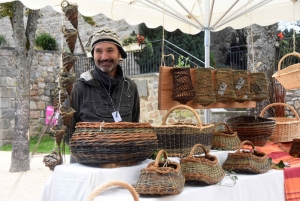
[[74, 182]]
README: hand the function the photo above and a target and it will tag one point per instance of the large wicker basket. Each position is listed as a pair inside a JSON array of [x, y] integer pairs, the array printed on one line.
[[225, 139], [113, 144], [247, 161], [179, 138], [253, 128], [202, 168], [286, 129], [161, 177], [288, 77]]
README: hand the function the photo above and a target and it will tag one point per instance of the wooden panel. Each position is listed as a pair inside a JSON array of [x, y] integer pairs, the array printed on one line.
[[165, 89]]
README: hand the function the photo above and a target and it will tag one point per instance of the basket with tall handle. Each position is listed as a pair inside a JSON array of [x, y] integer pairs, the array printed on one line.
[[108, 184], [286, 129], [288, 77]]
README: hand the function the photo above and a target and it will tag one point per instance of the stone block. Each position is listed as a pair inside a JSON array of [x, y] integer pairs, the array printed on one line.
[[4, 124], [41, 85], [35, 114], [4, 102], [6, 134], [33, 105], [8, 113], [41, 105], [8, 92], [142, 87]]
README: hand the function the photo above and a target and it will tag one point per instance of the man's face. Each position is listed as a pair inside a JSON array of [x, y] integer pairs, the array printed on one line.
[[106, 57]]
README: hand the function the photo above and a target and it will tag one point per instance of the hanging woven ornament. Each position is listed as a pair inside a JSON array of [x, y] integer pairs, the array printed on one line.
[[52, 160], [58, 134], [71, 12], [68, 61], [66, 114], [60, 95], [66, 80], [71, 37]]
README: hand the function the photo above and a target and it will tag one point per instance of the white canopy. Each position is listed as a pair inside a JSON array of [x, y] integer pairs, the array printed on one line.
[[190, 16]]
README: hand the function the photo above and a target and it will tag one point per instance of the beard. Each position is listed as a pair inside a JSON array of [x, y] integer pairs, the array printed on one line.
[[107, 65]]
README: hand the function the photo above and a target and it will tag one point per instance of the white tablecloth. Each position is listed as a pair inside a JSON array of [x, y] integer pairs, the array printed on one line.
[[74, 182]]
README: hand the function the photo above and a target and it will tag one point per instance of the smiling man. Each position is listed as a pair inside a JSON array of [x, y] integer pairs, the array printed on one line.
[[104, 93]]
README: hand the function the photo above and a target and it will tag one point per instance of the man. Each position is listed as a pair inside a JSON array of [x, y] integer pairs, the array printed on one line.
[[104, 93]]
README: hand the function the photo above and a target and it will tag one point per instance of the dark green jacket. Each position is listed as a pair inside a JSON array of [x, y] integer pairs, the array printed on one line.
[[92, 104]]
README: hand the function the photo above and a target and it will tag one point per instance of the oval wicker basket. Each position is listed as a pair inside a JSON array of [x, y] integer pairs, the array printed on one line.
[[112, 144], [286, 129], [247, 161], [288, 77], [253, 128]]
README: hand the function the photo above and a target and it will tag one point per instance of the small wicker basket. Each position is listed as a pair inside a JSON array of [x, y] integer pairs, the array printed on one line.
[[286, 129], [288, 77], [161, 177], [247, 161], [202, 168], [108, 184], [225, 139]]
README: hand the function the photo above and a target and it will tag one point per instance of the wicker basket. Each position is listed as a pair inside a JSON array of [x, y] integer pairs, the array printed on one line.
[[71, 12], [225, 91], [179, 138], [286, 129], [112, 183], [202, 168], [113, 144], [241, 86], [295, 148], [183, 90], [204, 91], [247, 161], [225, 139], [289, 77], [253, 128], [161, 177]]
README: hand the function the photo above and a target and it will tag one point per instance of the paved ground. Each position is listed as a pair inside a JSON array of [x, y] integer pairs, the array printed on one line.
[[29, 185]]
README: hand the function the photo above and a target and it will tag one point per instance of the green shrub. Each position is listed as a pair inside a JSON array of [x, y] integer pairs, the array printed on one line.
[[46, 41], [3, 41]]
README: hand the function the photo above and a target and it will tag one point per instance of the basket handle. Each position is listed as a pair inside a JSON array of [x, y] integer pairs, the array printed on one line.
[[245, 142], [222, 123], [108, 184], [289, 54], [195, 147], [182, 107], [158, 157], [279, 104]]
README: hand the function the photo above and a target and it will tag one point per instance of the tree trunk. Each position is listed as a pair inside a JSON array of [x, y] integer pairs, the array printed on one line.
[[23, 55], [261, 48]]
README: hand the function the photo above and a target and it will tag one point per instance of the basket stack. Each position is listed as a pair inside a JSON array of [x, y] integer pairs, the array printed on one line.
[[179, 138], [202, 168], [113, 144], [247, 161], [286, 129], [253, 128]]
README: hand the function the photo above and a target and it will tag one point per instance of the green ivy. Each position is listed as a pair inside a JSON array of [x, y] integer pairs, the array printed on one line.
[[46, 41], [89, 20], [3, 41]]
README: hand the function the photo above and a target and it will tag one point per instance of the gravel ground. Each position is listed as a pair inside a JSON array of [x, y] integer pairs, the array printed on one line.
[[23, 186]]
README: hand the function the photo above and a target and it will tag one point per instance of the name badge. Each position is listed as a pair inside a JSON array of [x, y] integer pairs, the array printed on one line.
[[116, 116]]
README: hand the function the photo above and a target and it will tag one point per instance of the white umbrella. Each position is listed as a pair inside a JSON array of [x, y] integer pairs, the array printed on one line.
[[190, 16]]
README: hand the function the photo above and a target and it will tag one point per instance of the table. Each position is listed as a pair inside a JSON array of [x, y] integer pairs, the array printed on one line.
[[74, 182]]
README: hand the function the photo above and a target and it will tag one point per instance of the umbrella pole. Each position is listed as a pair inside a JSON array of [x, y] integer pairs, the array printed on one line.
[[207, 51]]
